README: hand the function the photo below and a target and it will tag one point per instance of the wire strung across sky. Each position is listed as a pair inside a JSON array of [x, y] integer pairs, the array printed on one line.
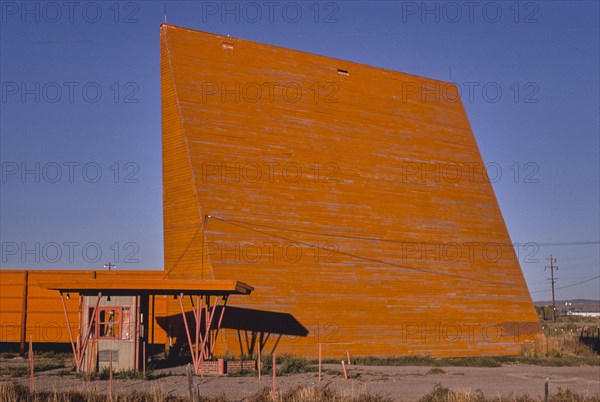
[[341, 236], [374, 260], [244, 225], [568, 286]]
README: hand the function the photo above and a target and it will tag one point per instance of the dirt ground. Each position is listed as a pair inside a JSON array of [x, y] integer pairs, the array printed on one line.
[[399, 383]]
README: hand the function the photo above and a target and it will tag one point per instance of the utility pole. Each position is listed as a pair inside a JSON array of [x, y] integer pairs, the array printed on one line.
[[552, 267]]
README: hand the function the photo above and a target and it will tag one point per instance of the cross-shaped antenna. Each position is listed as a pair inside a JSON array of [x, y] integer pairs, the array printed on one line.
[[110, 266]]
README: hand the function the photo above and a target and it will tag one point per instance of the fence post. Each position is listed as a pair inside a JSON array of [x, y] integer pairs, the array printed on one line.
[[259, 362], [274, 373], [110, 377], [31, 368], [320, 362], [546, 390], [190, 382]]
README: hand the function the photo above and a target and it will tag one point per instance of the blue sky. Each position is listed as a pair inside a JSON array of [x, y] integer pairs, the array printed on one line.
[[81, 123]]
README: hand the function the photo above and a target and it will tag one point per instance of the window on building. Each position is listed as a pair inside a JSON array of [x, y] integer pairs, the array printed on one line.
[[109, 322]]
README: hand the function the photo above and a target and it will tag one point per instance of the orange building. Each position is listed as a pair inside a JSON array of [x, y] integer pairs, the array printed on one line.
[[352, 198]]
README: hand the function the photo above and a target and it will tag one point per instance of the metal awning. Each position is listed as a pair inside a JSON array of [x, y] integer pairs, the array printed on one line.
[[133, 287]]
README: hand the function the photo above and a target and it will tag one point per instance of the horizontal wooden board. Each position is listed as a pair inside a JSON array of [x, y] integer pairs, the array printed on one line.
[[45, 321], [351, 197]]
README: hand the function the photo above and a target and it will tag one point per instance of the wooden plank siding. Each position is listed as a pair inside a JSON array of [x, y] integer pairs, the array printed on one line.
[[352, 198], [313, 200], [45, 320]]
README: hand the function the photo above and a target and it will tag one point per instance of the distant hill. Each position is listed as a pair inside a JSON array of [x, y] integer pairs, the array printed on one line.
[[584, 305]]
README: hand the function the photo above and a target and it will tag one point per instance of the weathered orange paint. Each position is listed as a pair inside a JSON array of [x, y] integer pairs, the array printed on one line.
[[332, 239], [352, 226]]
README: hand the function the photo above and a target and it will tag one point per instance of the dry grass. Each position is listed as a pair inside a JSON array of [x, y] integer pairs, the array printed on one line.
[[473, 361], [20, 367], [11, 392], [443, 394], [18, 393], [563, 349], [313, 394], [563, 345]]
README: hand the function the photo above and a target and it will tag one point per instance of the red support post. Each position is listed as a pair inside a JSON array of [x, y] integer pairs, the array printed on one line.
[[207, 324], [198, 317], [75, 350], [200, 352], [212, 350], [202, 349], [209, 319], [187, 332], [88, 332], [79, 348]]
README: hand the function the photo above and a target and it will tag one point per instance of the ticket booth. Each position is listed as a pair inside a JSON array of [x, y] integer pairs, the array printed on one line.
[[117, 332]]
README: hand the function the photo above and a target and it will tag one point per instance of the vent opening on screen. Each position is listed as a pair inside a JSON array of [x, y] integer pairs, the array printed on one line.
[[343, 72]]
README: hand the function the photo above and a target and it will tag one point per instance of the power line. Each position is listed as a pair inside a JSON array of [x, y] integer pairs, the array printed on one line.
[[566, 243], [342, 236], [373, 260], [244, 225], [568, 286]]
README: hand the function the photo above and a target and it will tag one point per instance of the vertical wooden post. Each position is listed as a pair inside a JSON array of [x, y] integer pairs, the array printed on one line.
[[320, 362], [348, 355], [259, 362], [144, 362], [136, 329], [31, 368], [110, 377], [24, 314], [274, 369], [344, 368], [151, 324], [546, 390], [190, 382]]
